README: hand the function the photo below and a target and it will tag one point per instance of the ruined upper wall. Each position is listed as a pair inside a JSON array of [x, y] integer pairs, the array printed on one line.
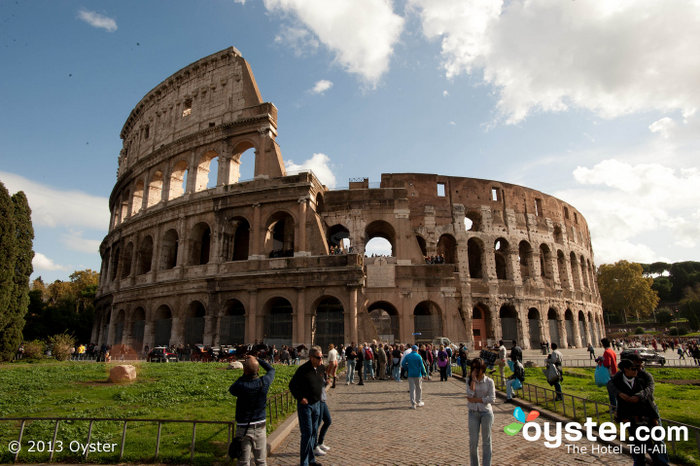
[[212, 91]]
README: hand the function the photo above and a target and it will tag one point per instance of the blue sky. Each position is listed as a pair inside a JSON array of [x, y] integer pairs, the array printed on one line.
[[593, 102]]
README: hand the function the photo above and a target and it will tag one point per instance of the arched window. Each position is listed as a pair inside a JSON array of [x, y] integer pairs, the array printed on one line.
[[242, 164], [385, 318], [137, 198], [194, 324], [138, 324], [570, 336], [475, 251], [545, 262], [501, 258], [533, 318], [168, 250], [329, 323], [201, 241], [163, 327], [427, 323], [155, 189], [525, 259], [232, 328], [241, 239], [472, 221], [562, 266], [380, 239], [178, 180], [279, 237], [447, 248], [422, 245], [207, 170], [115, 262], [145, 256], [126, 261], [575, 271], [278, 322], [553, 320], [509, 324], [338, 239]]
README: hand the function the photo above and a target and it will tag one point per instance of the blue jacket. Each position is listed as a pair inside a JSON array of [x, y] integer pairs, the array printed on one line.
[[413, 364], [252, 394]]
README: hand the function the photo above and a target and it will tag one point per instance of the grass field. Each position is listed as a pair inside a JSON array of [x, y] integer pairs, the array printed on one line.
[[196, 391]]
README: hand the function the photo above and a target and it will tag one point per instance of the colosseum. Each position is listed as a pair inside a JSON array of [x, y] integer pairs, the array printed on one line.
[[196, 254]]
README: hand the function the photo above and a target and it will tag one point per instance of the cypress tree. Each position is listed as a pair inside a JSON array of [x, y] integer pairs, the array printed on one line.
[[8, 256]]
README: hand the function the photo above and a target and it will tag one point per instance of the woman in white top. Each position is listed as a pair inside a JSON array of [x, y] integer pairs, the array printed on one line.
[[332, 362], [481, 392]]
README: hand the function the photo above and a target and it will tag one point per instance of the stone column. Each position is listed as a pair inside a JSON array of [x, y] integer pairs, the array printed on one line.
[[351, 318], [300, 237], [251, 317], [299, 326], [257, 230], [148, 336], [208, 330]]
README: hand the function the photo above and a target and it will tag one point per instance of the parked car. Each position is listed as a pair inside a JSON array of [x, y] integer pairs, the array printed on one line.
[[648, 355], [161, 354]]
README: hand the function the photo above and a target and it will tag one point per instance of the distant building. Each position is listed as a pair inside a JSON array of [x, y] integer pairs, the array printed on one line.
[[196, 255]]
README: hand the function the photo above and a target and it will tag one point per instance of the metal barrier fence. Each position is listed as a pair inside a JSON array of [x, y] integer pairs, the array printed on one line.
[[278, 407], [582, 408], [681, 363]]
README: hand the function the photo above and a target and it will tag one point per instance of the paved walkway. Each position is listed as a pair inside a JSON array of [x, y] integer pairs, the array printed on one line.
[[373, 424]]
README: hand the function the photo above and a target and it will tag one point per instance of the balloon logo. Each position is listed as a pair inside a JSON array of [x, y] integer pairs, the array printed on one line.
[[519, 415]]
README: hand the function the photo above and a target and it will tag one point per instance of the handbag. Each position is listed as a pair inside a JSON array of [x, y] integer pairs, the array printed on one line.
[[602, 375], [235, 448]]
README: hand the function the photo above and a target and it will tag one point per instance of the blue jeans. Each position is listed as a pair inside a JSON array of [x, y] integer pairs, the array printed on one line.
[[369, 368], [612, 394], [308, 427], [480, 420], [396, 372], [449, 368], [350, 374], [326, 418], [509, 388], [557, 388]]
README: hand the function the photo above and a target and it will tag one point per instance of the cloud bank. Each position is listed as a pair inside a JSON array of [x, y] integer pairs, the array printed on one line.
[[97, 20], [319, 164]]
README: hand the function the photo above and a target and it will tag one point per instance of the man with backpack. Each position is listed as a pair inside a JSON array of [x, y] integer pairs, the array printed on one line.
[[554, 366], [517, 375]]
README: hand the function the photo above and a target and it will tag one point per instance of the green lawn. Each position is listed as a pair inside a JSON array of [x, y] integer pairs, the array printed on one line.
[[183, 390]]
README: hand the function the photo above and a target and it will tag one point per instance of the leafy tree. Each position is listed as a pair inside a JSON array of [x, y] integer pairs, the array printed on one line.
[[690, 306], [8, 255], [664, 288], [664, 316], [624, 290], [61, 345]]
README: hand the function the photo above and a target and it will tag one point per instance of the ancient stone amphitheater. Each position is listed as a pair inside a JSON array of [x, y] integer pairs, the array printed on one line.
[[195, 254]]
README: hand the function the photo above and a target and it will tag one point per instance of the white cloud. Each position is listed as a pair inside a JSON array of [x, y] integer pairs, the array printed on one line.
[[41, 262], [361, 33], [319, 164], [75, 241], [612, 57], [97, 20], [300, 40], [321, 86], [53, 207], [662, 126], [622, 202], [445, 93]]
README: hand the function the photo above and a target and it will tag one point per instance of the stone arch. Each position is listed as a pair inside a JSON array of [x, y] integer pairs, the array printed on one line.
[[329, 325], [240, 165], [472, 220], [124, 206], [203, 180], [447, 247], [481, 325], [575, 271], [178, 179], [385, 318], [381, 229], [422, 245], [232, 325], [339, 237], [200, 244], [509, 324], [278, 313], [546, 262], [119, 327], [138, 325], [320, 203], [427, 321], [144, 257], [562, 266], [116, 257], [558, 235], [279, 235], [553, 320], [163, 326], [168, 249], [584, 272], [127, 259], [583, 329], [569, 322], [137, 197], [475, 251], [525, 259], [500, 254], [194, 323], [534, 321], [240, 249], [155, 189]]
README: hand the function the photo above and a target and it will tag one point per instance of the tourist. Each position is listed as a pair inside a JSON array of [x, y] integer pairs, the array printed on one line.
[[332, 363], [350, 357], [306, 388], [518, 374], [516, 352], [591, 351], [463, 359], [442, 362], [251, 393], [368, 357], [610, 362], [396, 363], [501, 361], [380, 355], [415, 369], [481, 392], [555, 358], [325, 414]]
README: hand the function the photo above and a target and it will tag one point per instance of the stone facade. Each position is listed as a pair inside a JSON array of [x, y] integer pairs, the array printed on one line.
[[197, 255]]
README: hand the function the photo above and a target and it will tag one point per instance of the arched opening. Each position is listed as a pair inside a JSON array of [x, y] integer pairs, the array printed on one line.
[[145, 256], [595, 331], [241, 239], [178, 180], [481, 320], [138, 324], [545, 262], [126, 260], [475, 252], [583, 329], [207, 170], [320, 203], [106, 317], [278, 322], [385, 318], [329, 323], [232, 327], [501, 258], [427, 323], [137, 198], [164, 322], [447, 248], [553, 319], [242, 165], [380, 239], [119, 327], [525, 259], [422, 245], [194, 324], [124, 206], [472, 221], [569, 322], [584, 272], [575, 271], [509, 324], [338, 239], [561, 265], [155, 189], [201, 242], [533, 318], [279, 237], [115, 262], [168, 250]]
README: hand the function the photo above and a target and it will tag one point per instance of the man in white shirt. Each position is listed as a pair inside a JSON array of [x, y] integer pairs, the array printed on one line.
[[501, 360], [332, 362]]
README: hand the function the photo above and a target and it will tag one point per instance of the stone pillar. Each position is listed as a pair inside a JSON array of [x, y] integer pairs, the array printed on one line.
[[209, 335], [176, 331], [513, 264], [563, 334], [191, 185], [299, 326], [351, 318], [257, 230], [148, 336], [407, 323], [110, 333], [252, 317], [300, 236]]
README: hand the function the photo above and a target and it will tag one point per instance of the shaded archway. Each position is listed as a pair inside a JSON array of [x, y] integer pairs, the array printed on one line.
[[421, 245], [200, 244], [144, 258], [563, 273], [338, 238], [509, 324], [119, 327], [569, 322], [279, 235], [575, 271], [329, 324], [447, 247], [163, 327], [545, 262], [241, 239], [194, 323], [533, 318], [137, 197], [155, 189], [385, 318], [481, 325], [525, 259], [127, 260], [232, 325], [553, 319], [278, 322], [207, 171], [374, 245], [168, 250], [427, 323], [138, 324], [475, 250], [501, 251], [583, 329], [242, 163], [178, 180]]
